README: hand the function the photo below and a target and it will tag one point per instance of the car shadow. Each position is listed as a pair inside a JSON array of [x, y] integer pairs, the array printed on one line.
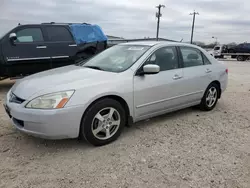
[[168, 116], [57, 145]]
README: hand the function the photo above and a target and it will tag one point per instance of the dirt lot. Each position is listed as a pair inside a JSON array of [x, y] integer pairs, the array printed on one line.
[[188, 148]]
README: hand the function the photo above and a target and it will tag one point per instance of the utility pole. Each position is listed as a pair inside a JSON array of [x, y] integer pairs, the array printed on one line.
[[158, 16], [216, 40], [192, 34]]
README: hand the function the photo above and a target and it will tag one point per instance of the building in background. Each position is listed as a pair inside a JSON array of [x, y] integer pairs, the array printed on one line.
[[112, 40]]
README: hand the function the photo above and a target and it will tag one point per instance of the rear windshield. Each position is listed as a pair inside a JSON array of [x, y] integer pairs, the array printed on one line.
[[216, 48]]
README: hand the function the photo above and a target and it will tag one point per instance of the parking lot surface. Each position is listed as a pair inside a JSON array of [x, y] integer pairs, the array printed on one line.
[[188, 148]]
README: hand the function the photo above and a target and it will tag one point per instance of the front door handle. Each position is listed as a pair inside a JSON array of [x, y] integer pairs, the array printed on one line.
[[176, 77], [208, 71], [41, 47]]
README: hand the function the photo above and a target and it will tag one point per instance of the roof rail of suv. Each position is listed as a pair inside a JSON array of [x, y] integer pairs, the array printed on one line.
[[65, 23]]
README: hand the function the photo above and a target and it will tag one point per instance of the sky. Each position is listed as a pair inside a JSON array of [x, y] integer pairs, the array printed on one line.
[[228, 20]]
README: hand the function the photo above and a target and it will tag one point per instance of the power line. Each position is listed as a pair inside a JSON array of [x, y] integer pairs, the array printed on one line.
[[192, 34], [158, 16]]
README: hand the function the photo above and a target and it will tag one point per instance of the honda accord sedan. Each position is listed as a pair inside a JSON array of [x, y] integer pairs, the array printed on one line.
[[122, 85]]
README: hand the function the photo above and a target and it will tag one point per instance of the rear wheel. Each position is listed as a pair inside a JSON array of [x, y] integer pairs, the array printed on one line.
[[210, 97], [241, 58], [103, 122]]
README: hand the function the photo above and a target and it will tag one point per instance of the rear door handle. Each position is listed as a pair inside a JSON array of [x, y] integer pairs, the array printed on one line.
[[176, 77], [41, 47], [208, 71], [72, 45]]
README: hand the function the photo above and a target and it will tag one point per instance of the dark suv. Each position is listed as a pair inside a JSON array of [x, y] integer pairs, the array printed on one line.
[[241, 48], [28, 49]]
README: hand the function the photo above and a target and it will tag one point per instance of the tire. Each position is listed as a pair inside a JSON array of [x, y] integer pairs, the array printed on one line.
[[241, 58], [97, 121], [204, 105]]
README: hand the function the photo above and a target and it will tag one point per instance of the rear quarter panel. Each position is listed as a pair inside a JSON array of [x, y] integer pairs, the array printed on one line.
[[218, 70]]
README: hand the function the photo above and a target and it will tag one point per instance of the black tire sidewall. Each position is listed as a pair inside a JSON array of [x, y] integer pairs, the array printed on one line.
[[86, 124], [203, 104], [240, 58]]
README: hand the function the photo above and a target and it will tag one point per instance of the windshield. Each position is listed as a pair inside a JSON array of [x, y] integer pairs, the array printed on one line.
[[216, 48], [118, 58]]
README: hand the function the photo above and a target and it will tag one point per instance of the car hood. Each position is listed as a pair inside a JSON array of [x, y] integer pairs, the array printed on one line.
[[57, 80]]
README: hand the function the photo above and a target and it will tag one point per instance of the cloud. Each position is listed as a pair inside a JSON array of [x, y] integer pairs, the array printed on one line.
[[226, 19]]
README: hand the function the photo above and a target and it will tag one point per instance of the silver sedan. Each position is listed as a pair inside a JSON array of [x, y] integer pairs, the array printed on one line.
[[122, 85]]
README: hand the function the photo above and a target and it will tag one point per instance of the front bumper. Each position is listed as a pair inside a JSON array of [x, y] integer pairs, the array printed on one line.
[[49, 124]]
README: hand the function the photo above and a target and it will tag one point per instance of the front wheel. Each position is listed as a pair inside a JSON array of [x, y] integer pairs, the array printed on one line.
[[103, 122], [210, 97]]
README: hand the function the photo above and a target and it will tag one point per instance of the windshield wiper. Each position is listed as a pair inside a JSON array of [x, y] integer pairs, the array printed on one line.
[[93, 67]]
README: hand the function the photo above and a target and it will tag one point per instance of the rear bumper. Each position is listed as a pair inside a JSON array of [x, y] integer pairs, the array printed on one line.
[[224, 83]]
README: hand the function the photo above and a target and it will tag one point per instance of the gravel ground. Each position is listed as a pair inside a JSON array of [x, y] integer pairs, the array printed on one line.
[[188, 148]]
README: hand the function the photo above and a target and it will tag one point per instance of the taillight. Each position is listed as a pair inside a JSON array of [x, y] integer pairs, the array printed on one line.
[[227, 71]]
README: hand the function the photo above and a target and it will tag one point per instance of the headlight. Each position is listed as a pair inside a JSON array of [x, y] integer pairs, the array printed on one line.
[[51, 101]]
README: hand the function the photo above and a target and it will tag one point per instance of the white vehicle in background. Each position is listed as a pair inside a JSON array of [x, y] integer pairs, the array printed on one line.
[[218, 51]]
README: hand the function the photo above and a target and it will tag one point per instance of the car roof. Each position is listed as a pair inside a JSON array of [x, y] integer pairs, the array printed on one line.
[[160, 43]]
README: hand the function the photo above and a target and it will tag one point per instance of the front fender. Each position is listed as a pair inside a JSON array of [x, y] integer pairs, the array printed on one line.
[[87, 95]]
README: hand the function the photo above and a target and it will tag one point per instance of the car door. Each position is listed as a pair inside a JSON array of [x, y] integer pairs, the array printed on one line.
[[61, 45], [154, 94], [27, 54], [197, 73]]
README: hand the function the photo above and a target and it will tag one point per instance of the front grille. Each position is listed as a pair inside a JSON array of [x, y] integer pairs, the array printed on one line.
[[13, 98]]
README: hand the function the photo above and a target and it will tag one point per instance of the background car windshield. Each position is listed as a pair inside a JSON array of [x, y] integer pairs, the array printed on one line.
[[118, 58]]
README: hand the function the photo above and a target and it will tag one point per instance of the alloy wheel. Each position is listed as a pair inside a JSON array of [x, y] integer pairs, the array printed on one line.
[[211, 97], [106, 123]]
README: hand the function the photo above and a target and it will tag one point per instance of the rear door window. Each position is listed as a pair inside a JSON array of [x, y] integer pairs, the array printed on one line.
[[191, 57], [205, 60], [29, 35], [58, 34]]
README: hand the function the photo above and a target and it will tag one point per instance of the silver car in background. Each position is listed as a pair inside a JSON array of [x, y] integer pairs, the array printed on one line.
[[122, 85]]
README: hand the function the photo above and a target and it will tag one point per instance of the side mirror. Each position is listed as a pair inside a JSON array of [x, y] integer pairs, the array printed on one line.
[[151, 69], [13, 37]]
